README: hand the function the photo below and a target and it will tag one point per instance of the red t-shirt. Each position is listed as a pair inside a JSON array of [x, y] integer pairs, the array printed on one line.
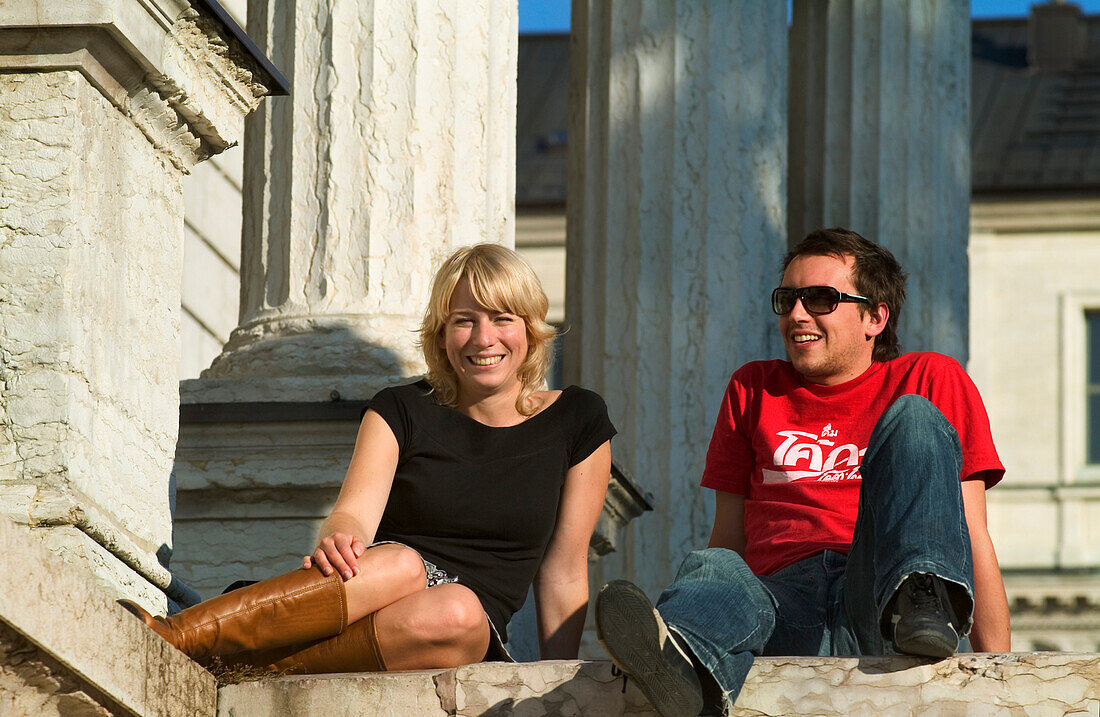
[[794, 448]]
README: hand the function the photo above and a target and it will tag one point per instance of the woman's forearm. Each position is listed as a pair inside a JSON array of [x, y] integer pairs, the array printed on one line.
[[561, 608], [341, 522]]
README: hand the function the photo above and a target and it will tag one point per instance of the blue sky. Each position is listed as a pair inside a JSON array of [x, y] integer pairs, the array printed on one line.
[[553, 15]]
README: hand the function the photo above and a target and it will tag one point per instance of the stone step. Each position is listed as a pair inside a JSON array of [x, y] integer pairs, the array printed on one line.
[[1016, 684], [66, 648]]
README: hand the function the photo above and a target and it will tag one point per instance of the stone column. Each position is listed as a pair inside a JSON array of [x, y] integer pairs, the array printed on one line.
[[398, 147], [880, 143], [677, 152], [103, 107]]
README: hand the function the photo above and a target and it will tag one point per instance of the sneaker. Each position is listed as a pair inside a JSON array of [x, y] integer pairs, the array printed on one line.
[[922, 618], [640, 644]]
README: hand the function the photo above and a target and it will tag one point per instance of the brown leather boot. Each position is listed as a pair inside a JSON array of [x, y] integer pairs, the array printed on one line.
[[356, 649], [299, 606]]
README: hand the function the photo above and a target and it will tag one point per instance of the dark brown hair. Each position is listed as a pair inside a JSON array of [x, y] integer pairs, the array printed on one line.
[[876, 274]]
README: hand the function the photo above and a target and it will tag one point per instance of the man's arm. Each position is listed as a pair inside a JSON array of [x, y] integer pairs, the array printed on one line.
[[729, 522], [991, 623]]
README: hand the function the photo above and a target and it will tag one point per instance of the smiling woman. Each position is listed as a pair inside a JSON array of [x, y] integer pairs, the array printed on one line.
[[485, 327], [421, 564]]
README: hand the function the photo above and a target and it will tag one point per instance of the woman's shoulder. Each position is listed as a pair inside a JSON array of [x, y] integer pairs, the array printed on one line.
[[413, 392], [403, 398], [581, 395], [579, 407], [573, 397]]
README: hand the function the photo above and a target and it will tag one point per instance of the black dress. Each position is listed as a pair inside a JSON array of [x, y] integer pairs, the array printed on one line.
[[479, 501]]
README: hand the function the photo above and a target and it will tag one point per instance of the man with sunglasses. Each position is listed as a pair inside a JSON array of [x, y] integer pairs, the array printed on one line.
[[850, 500]]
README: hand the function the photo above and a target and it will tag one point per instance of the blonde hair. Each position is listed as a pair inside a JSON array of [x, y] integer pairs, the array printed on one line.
[[499, 280]]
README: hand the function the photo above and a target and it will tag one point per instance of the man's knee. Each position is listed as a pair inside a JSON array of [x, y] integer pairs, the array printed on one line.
[[714, 564], [713, 577], [916, 421], [911, 407]]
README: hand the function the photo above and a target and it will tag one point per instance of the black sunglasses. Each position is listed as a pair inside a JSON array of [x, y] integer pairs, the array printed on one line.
[[815, 299]]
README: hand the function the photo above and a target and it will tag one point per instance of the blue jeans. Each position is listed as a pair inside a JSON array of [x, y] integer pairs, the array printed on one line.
[[910, 521]]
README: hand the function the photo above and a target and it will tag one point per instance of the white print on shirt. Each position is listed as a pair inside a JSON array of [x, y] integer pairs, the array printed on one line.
[[801, 457]]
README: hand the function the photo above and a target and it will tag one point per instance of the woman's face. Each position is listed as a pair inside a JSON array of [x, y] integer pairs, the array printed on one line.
[[486, 348]]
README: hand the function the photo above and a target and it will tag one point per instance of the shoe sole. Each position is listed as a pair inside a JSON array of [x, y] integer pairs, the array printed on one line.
[[628, 629], [927, 644]]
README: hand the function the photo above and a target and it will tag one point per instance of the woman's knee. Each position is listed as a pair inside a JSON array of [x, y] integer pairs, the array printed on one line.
[[459, 614], [399, 566], [461, 625]]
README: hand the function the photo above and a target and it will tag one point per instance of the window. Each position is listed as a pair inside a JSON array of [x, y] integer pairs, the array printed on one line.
[[1092, 386]]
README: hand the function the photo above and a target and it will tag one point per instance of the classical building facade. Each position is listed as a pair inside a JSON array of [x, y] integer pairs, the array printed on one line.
[[702, 136], [1035, 311]]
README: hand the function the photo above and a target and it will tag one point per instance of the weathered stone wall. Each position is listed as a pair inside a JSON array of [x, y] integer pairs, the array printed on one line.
[[89, 252], [103, 108], [880, 143], [252, 496], [400, 148]]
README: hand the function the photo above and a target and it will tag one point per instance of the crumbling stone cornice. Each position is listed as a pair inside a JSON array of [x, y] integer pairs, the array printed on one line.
[[169, 67]]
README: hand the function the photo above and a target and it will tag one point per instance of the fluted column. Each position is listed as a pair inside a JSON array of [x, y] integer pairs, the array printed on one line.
[[677, 143], [398, 146], [880, 143]]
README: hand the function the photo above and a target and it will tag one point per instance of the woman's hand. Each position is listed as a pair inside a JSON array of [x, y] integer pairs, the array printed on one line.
[[340, 552]]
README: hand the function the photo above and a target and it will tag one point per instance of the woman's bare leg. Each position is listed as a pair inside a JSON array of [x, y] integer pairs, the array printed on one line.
[[443, 626], [387, 574]]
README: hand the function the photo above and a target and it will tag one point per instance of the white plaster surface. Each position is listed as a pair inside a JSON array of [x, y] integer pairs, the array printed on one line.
[[677, 191], [880, 107], [356, 189], [210, 291]]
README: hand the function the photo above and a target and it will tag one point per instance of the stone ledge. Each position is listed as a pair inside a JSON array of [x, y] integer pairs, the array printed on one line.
[[66, 648], [1044, 683]]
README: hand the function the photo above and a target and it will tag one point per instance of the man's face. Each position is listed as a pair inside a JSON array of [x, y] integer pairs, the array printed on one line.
[[829, 348]]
